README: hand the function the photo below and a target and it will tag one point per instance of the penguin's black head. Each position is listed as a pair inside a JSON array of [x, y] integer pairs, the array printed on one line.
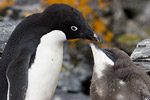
[[70, 21]]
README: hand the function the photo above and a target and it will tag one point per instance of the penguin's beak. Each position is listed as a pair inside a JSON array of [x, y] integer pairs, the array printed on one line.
[[96, 37], [91, 36]]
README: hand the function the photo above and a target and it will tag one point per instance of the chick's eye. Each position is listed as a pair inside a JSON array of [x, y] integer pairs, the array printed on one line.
[[74, 28]]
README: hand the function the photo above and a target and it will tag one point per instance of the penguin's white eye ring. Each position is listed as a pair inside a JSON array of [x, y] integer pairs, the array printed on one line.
[[74, 28]]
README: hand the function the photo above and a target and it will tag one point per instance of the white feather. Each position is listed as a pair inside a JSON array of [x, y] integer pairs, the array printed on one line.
[[121, 82], [120, 97], [100, 61], [8, 88], [44, 72], [146, 99]]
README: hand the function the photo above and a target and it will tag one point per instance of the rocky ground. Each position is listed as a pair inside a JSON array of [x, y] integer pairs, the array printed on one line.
[[61, 95], [5, 32], [141, 55]]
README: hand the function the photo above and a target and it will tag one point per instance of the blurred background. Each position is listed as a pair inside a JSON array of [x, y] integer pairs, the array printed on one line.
[[120, 23]]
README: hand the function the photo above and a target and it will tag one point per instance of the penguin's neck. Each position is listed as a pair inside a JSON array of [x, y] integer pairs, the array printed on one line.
[[44, 73], [101, 61]]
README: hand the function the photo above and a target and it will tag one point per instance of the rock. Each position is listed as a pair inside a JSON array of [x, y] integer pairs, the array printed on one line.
[[26, 10], [144, 18], [134, 4], [61, 95], [26, 2], [5, 32], [18, 12], [118, 18], [141, 55], [68, 82], [133, 27], [130, 16]]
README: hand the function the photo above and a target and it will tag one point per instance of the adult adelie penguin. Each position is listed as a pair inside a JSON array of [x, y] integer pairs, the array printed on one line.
[[116, 77], [33, 55]]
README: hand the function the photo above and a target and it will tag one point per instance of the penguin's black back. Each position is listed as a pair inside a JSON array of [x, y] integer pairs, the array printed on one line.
[[12, 48], [123, 81], [26, 36]]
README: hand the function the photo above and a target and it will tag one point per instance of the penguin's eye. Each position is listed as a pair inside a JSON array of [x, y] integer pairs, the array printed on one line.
[[74, 28]]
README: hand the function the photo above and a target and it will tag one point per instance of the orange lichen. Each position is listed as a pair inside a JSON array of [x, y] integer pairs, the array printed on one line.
[[79, 4], [102, 4], [104, 45], [26, 14], [108, 37], [72, 41], [99, 26], [5, 3]]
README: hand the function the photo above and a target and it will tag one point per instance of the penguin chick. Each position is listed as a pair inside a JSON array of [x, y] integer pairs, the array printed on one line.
[[116, 77]]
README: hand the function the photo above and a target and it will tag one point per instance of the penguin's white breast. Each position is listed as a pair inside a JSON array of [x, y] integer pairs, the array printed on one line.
[[44, 73]]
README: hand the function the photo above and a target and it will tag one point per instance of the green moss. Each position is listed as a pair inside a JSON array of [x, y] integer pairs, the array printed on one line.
[[148, 32], [129, 39]]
